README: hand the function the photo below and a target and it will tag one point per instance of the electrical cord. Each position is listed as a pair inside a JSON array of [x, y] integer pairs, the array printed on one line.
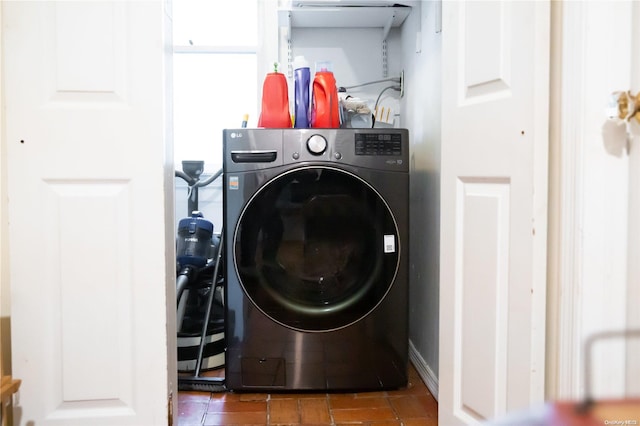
[[343, 89], [375, 108]]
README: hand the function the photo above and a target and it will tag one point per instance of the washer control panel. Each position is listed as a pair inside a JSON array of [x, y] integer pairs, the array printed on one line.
[[378, 144], [380, 149]]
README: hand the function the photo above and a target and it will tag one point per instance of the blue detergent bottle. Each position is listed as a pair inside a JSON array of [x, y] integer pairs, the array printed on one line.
[[302, 79]]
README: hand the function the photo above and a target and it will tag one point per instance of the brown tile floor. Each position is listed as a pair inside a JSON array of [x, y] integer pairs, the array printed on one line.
[[409, 407]]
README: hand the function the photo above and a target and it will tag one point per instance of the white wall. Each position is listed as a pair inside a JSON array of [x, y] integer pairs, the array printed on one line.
[[421, 106]]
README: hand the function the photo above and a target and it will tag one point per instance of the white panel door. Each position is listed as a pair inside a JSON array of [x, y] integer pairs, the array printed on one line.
[[91, 228], [494, 198]]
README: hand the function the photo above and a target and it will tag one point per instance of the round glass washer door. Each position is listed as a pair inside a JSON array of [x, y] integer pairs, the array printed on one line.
[[316, 249]]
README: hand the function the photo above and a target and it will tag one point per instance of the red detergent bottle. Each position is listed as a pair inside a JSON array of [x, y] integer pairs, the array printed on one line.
[[275, 101], [325, 112]]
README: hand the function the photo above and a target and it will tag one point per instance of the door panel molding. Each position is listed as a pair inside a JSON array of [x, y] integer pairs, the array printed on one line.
[[484, 52], [83, 296], [482, 277], [100, 39]]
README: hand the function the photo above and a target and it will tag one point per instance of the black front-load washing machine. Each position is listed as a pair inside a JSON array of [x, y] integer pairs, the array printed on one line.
[[316, 262]]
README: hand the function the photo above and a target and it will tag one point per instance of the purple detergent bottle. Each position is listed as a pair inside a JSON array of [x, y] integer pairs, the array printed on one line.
[[302, 79]]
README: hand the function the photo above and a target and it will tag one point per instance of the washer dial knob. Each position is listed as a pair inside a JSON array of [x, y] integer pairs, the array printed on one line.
[[317, 144]]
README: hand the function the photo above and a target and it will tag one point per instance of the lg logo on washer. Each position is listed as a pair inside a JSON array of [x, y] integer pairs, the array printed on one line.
[[235, 135]]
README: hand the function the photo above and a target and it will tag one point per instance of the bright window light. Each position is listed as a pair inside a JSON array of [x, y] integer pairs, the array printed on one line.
[[214, 75], [215, 23], [211, 93]]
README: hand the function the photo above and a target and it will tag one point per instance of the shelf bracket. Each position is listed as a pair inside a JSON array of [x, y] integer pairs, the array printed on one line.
[[289, 59], [385, 67], [387, 26], [385, 33]]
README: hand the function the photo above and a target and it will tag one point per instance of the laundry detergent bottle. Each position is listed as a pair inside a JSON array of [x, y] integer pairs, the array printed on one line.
[[325, 109], [275, 101], [301, 81]]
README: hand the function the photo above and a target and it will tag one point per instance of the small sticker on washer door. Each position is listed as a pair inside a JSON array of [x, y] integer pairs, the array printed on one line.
[[389, 244], [233, 182]]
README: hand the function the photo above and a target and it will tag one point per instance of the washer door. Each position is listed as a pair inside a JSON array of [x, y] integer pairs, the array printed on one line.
[[316, 249]]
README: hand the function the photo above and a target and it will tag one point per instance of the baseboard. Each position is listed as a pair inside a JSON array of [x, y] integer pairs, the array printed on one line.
[[424, 371]]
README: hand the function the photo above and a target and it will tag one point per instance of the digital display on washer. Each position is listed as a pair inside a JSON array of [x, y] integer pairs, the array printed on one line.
[[378, 144]]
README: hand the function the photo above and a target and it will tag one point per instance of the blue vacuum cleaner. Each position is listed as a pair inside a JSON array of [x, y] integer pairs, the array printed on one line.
[[199, 291]]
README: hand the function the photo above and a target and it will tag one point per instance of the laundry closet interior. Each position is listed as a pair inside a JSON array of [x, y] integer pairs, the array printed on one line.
[[374, 50]]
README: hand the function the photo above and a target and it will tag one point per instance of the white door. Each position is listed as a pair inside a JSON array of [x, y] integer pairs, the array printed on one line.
[[90, 179], [494, 203]]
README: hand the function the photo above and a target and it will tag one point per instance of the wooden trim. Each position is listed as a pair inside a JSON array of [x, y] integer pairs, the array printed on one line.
[[540, 200], [424, 371], [8, 387], [565, 251]]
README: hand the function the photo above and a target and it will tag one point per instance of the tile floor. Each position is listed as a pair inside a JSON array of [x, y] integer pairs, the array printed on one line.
[[411, 406]]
